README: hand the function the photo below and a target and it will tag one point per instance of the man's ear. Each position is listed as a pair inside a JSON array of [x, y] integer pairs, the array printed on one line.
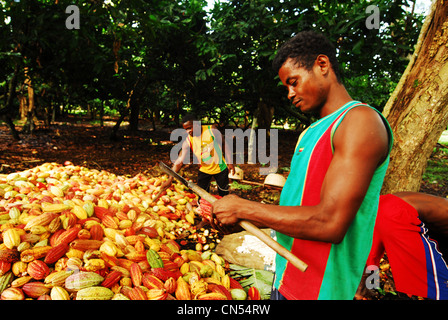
[[323, 64]]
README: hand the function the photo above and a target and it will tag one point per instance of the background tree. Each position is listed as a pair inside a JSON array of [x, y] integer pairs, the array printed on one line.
[[417, 110], [246, 35], [159, 59]]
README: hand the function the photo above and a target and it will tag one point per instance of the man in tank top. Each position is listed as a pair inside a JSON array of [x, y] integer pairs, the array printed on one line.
[[329, 203]]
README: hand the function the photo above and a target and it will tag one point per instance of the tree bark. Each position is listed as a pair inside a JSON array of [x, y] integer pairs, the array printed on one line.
[[264, 114], [418, 108], [251, 148], [134, 113], [6, 112], [27, 107]]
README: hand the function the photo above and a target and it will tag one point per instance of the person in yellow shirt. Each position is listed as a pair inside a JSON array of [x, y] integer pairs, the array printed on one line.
[[205, 141]]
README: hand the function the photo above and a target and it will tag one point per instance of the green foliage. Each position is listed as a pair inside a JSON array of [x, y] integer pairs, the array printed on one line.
[[249, 277], [162, 58], [436, 172], [241, 186]]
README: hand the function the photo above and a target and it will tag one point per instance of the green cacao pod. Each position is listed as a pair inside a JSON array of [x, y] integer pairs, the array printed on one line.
[[5, 280], [154, 259]]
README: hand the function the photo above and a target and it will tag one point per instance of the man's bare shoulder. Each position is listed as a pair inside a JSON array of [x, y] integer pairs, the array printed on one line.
[[364, 113], [364, 119], [363, 131]]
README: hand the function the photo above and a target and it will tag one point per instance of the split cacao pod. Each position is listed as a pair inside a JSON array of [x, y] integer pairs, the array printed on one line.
[[9, 255], [34, 253], [156, 294]]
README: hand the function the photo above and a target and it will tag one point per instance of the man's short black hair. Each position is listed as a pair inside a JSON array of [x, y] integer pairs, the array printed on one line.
[[304, 48], [189, 117]]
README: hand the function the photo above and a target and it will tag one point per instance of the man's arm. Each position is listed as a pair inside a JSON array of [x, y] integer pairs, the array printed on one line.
[[361, 145], [432, 210], [178, 163]]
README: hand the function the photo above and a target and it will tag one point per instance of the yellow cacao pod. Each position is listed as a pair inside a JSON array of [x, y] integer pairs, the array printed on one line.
[[109, 248], [182, 290], [11, 238], [56, 191], [14, 213], [95, 293], [79, 212], [59, 293], [57, 278], [94, 264]]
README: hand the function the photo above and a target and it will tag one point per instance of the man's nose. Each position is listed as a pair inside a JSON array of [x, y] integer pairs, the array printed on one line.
[[291, 93]]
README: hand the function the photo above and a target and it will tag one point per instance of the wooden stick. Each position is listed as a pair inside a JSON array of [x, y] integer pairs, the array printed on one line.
[[250, 227]]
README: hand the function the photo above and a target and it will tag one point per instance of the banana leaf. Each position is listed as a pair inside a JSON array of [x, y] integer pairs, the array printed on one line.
[[250, 277]]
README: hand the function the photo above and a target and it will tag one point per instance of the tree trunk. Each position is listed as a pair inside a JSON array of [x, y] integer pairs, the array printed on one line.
[[135, 113], [153, 119], [418, 109], [264, 114], [27, 108], [102, 114], [136, 99], [251, 149], [124, 113], [6, 112]]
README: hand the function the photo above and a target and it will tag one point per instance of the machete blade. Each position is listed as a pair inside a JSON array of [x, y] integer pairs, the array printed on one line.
[[170, 172]]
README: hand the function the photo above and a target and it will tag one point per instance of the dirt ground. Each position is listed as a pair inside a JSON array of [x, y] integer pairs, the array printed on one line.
[[89, 145]]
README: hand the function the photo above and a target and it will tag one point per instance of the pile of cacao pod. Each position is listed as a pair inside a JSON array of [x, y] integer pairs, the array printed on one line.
[[73, 233]]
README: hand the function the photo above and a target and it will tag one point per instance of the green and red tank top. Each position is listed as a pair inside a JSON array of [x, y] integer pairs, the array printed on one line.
[[334, 270]]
